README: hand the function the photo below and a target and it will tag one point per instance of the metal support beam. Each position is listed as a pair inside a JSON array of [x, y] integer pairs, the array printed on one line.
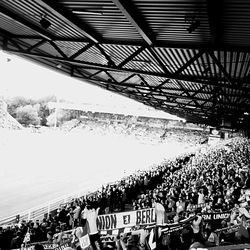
[[58, 49], [189, 62], [183, 67], [157, 44], [200, 80], [132, 56], [128, 11], [22, 21], [158, 59], [222, 69], [110, 62], [38, 44], [215, 14], [80, 51], [66, 16]]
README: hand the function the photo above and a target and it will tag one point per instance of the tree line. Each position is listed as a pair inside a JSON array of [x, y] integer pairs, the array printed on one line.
[[37, 112], [28, 111]]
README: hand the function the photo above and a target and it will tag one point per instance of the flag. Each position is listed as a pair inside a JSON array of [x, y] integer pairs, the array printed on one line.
[[27, 237], [160, 214], [84, 241], [82, 234], [151, 240]]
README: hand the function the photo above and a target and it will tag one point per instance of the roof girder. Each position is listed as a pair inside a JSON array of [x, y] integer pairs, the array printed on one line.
[[188, 78]]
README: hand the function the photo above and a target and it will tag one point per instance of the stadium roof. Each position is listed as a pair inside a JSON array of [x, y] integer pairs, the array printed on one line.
[[188, 58]]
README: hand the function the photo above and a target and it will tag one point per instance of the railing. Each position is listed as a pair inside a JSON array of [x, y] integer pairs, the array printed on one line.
[[37, 213]]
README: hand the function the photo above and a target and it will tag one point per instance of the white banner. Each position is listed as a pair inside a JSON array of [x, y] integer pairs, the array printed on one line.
[[126, 219]]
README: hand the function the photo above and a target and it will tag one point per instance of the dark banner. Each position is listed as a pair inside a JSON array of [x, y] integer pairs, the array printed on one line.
[[177, 227], [215, 216], [49, 246], [202, 205]]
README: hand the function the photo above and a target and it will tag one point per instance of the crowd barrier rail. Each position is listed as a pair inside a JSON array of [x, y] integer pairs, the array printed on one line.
[[38, 212]]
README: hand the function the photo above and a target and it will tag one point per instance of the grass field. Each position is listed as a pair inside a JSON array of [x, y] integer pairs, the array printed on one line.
[[36, 168]]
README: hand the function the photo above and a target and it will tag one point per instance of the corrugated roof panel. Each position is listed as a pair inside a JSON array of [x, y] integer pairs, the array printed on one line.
[[208, 104], [166, 56], [70, 48], [13, 27], [153, 80], [93, 55], [30, 42], [236, 22], [120, 76], [48, 48], [145, 62], [176, 92], [169, 20], [103, 75], [104, 18], [119, 53], [171, 84], [192, 69], [92, 71], [234, 63], [33, 12], [188, 85], [183, 100], [177, 58], [207, 63], [246, 67], [203, 96]]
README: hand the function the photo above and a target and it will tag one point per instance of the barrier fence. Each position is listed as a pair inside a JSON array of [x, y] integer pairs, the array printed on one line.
[[37, 213]]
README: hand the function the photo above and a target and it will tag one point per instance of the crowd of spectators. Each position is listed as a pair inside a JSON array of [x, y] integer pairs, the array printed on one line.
[[153, 131], [218, 177]]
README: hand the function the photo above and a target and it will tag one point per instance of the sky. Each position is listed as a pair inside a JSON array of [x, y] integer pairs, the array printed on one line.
[[20, 77]]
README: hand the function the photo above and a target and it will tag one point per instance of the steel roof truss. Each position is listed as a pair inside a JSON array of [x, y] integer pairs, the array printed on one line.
[[115, 68], [58, 49], [80, 51], [110, 61], [183, 67], [127, 78], [128, 11], [222, 69], [58, 10], [16, 44], [132, 56], [111, 77], [36, 45], [158, 59], [96, 73], [157, 44], [188, 63]]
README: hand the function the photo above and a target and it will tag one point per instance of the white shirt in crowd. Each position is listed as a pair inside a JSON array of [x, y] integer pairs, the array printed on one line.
[[196, 224], [91, 216], [201, 198], [160, 213], [76, 212]]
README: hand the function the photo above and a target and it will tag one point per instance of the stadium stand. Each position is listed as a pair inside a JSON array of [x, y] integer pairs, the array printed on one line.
[[145, 129], [205, 198]]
